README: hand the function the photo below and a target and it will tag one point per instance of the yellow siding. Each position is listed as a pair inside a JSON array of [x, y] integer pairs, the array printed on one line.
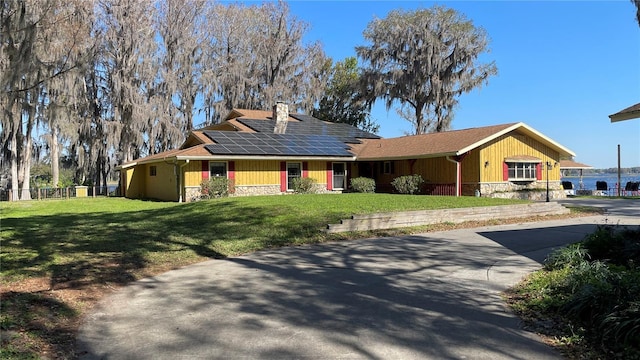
[[257, 172], [134, 182], [513, 145], [163, 185], [193, 173], [470, 167], [318, 171], [436, 170]]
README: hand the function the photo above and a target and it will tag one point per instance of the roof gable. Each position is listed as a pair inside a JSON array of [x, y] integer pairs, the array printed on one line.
[[449, 143]]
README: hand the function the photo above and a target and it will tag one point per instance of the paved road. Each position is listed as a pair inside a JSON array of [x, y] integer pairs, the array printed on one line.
[[428, 296]]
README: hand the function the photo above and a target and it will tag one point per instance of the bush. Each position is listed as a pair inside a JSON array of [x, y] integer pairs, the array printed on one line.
[[570, 256], [620, 246], [408, 184], [363, 185], [595, 285], [303, 185], [215, 187]]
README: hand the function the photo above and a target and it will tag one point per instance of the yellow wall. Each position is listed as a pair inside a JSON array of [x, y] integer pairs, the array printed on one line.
[[267, 172], [134, 182], [254, 172], [513, 145], [193, 173], [470, 167], [318, 171], [163, 185], [435, 170]]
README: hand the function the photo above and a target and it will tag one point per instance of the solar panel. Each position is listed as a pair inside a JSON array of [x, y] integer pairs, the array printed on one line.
[[241, 143], [308, 125]]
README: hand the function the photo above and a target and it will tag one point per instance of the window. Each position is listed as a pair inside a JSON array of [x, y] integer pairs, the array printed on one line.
[[339, 176], [153, 170], [388, 167], [522, 170], [217, 169], [294, 170]]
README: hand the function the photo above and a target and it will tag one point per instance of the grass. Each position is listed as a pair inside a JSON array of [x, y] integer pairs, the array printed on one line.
[[67, 239], [60, 257]]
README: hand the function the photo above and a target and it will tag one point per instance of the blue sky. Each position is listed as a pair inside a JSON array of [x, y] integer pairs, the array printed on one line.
[[563, 67]]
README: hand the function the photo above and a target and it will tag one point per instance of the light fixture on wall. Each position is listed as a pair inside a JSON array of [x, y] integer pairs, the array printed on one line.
[[486, 163]]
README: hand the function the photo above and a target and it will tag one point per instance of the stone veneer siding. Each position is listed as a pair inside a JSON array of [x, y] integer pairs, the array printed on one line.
[[535, 190], [193, 192]]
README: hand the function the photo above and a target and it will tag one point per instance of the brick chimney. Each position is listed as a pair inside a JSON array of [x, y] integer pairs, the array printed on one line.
[[281, 116]]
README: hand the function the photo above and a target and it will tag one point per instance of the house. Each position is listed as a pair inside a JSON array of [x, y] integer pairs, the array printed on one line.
[[262, 151], [632, 112]]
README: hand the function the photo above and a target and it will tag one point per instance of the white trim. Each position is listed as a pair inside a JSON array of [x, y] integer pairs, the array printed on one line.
[[301, 171], [226, 167], [513, 127], [333, 174]]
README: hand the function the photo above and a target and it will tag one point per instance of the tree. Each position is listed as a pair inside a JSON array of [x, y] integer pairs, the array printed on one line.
[[179, 23], [637, 4], [340, 102], [131, 70], [256, 56], [41, 41], [423, 60]]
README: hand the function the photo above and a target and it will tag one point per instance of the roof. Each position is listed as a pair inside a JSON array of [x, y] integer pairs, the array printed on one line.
[[632, 112], [449, 143], [194, 152], [248, 134], [269, 144], [570, 164]]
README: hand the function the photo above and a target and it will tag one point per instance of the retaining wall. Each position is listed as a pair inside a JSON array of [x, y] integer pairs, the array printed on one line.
[[428, 217]]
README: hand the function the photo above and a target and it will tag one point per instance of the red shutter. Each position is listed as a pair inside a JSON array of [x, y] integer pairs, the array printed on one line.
[[329, 176], [205, 169], [283, 176], [231, 172], [305, 169], [505, 171], [538, 171]]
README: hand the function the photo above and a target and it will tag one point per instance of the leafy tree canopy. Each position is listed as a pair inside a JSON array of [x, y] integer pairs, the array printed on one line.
[[423, 60], [340, 102]]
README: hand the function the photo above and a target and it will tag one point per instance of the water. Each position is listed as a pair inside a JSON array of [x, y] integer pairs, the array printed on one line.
[[589, 182]]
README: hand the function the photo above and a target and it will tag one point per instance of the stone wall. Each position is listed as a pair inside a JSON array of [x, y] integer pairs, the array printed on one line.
[[256, 190], [535, 190], [426, 217], [192, 193]]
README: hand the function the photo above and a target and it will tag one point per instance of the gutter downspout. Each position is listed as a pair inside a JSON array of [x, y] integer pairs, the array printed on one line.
[[179, 182], [457, 174]]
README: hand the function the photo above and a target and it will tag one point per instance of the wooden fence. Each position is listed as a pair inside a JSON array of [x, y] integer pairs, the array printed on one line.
[[61, 193]]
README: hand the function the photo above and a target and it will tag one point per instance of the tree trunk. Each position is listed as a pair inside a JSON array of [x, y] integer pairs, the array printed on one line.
[[55, 156], [26, 152], [13, 148]]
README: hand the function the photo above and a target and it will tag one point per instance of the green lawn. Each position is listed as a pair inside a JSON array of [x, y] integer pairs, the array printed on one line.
[[116, 238]]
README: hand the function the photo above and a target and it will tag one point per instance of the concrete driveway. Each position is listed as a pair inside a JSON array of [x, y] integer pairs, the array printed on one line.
[[429, 296]]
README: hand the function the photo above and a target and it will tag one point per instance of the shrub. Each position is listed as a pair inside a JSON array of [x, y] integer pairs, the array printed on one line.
[[215, 187], [595, 284], [303, 185], [570, 256], [408, 184], [616, 245], [363, 185]]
